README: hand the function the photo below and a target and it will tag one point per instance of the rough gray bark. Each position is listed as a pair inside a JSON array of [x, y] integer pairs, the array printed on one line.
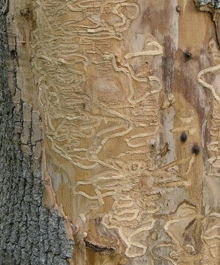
[[29, 233], [215, 2]]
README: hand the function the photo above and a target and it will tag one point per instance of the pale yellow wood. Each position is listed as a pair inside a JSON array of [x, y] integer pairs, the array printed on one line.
[[129, 95]]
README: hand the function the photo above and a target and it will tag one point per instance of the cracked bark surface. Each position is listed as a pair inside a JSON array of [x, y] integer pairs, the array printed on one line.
[[29, 233]]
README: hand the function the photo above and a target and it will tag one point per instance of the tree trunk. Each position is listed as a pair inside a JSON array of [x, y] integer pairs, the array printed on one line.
[[110, 132], [29, 232]]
